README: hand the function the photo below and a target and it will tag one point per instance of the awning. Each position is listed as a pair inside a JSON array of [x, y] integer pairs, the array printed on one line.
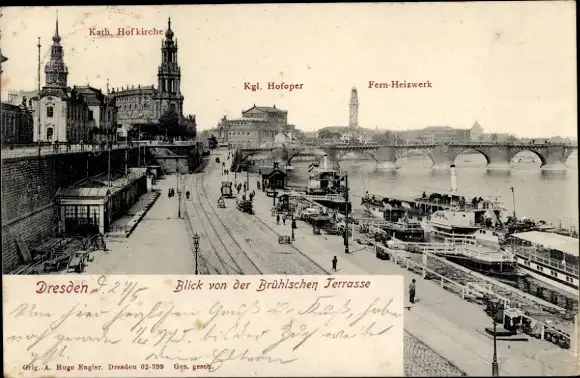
[[550, 240]]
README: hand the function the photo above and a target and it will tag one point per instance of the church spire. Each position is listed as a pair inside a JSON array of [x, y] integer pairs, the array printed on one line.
[[55, 69], [56, 37], [169, 33]]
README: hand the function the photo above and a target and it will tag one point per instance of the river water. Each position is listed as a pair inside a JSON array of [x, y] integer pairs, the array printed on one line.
[[539, 195]]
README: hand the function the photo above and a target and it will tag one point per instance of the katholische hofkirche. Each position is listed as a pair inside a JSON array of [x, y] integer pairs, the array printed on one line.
[[144, 104]]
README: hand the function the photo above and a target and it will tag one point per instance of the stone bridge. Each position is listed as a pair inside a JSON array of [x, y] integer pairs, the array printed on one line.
[[497, 155]]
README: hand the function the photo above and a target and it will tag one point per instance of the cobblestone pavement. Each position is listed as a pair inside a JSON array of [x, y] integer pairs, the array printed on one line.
[[422, 361]]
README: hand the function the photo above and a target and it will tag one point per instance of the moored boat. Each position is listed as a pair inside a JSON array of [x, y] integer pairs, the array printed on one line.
[[324, 187], [393, 217], [547, 257]]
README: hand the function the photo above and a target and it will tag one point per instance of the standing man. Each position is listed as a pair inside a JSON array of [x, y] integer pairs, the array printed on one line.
[[334, 262], [412, 291], [277, 218]]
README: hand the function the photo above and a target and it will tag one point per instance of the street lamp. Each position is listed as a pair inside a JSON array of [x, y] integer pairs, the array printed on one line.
[[196, 245], [293, 225], [178, 190], [494, 364]]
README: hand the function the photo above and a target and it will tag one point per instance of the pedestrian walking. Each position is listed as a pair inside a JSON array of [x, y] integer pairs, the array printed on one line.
[[277, 218], [412, 291], [284, 219], [334, 262]]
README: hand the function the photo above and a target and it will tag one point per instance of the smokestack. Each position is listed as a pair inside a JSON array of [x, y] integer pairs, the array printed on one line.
[[324, 163], [453, 179]]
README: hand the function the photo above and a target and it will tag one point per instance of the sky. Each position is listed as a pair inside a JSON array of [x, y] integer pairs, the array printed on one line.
[[510, 66]]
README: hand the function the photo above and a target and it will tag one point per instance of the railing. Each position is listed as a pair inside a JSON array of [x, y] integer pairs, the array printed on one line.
[[468, 290], [31, 149], [458, 239], [49, 149], [327, 197], [533, 256], [482, 256], [486, 205]]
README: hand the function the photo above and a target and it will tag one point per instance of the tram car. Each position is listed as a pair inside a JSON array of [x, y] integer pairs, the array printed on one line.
[[244, 206], [226, 189]]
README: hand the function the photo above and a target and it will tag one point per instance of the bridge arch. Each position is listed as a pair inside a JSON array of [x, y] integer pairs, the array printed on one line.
[[424, 152], [478, 150], [539, 155], [248, 154]]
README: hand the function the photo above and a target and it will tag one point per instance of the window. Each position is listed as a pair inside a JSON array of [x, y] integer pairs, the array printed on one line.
[[91, 115], [553, 273], [49, 133], [49, 111], [70, 212], [82, 211]]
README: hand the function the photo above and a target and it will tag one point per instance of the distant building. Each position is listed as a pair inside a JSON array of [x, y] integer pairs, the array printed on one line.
[[347, 137], [435, 134], [258, 125], [476, 132], [283, 138], [102, 110], [16, 122], [365, 138]]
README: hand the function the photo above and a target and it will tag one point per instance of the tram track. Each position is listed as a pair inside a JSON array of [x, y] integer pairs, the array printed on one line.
[[235, 260], [250, 266], [276, 262], [225, 268]]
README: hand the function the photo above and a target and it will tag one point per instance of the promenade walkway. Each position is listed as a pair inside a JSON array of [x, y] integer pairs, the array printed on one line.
[[48, 149], [451, 326], [159, 245]]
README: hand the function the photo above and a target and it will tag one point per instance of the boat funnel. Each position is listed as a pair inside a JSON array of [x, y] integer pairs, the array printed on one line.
[[324, 163], [453, 179]]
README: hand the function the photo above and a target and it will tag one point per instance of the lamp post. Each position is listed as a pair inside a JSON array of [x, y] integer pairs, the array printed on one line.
[[494, 364], [196, 246], [38, 100], [346, 216], [178, 191]]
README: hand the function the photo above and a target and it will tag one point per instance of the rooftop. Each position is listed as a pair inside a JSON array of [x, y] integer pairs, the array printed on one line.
[[550, 240], [266, 109]]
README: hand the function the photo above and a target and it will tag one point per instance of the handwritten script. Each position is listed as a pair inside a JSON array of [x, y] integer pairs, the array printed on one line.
[[227, 326]]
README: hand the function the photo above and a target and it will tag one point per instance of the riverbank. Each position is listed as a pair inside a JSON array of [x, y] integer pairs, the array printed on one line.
[[447, 324]]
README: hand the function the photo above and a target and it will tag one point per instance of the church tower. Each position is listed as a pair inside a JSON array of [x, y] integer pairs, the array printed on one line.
[[55, 70], [353, 107], [169, 77]]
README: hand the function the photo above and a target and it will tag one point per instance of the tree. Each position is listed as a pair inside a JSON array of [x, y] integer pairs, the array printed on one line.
[[512, 138], [388, 137], [169, 123], [327, 134]]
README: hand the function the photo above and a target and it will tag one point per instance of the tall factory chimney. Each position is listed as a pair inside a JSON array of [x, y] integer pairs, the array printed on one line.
[[353, 107]]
